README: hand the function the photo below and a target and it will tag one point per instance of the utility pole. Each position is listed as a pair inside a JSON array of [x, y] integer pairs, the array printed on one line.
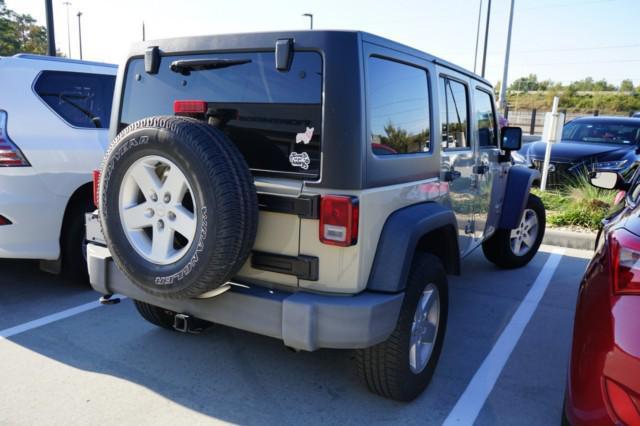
[[310, 16], [503, 86], [144, 35], [80, 33], [486, 39], [67, 4], [51, 39], [475, 57]]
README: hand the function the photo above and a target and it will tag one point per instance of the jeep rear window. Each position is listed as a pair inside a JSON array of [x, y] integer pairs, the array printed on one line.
[[274, 117]]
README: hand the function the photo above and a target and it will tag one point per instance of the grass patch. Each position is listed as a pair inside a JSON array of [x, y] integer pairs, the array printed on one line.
[[578, 204]]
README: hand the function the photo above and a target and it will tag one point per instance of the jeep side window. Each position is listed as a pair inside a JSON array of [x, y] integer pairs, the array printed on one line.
[[485, 118], [398, 107], [453, 114]]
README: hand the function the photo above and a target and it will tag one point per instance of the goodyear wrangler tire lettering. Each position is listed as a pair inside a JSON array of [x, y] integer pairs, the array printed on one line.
[[178, 206]]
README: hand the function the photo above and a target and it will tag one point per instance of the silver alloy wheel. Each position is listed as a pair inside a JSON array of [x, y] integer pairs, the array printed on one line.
[[424, 329], [157, 210], [524, 236]]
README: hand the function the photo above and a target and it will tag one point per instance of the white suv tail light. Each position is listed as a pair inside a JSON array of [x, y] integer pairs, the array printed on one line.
[[10, 154]]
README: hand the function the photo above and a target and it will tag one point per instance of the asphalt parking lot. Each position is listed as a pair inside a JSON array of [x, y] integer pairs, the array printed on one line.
[[504, 359]]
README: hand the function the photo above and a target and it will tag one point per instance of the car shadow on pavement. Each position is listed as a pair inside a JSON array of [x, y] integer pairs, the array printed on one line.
[[239, 377]]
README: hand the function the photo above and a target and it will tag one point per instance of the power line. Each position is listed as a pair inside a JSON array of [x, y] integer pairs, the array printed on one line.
[[624, 61], [568, 49], [573, 3]]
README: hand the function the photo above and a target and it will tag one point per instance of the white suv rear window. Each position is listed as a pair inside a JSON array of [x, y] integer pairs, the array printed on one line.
[[80, 99]]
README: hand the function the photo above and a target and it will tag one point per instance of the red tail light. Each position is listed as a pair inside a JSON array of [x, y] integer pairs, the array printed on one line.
[[625, 262], [4, 221], [189, 108], [339, 220], [96, 187], [10, 154], [624, 404]]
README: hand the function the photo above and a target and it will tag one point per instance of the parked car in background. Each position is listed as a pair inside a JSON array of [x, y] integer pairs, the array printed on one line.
[[603, 382], [588, 143], [636, 114], [54, 117]]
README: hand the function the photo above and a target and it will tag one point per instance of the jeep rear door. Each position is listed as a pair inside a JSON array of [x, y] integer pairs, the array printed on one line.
[[273, 116]]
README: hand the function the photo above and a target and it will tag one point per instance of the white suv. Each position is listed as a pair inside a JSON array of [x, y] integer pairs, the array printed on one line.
[[54, 117]]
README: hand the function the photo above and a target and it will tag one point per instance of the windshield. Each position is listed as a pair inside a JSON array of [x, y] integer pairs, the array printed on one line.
[[602, 132]]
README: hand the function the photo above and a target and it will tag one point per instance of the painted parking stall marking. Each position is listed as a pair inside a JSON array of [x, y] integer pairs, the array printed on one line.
[[48, 319], [474, 396]]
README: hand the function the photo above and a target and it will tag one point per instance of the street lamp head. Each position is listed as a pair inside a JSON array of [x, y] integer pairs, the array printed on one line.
[[310, 16], [79, 14]]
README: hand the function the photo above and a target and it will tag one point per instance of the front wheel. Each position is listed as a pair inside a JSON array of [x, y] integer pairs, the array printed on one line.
[[514, 248], [401, 367]]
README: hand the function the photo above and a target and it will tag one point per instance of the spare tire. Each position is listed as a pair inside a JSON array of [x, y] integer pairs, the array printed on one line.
[[178, 206]]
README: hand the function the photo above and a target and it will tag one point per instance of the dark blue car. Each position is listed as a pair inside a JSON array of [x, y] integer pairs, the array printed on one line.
[[589, 143]]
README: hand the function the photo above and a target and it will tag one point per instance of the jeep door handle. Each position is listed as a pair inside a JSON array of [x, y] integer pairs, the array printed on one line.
[[451, 175]]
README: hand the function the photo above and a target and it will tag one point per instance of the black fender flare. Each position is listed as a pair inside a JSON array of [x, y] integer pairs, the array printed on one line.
[[399, 240], [516, 194]]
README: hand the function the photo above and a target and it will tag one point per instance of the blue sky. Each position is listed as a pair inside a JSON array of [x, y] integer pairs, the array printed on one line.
[[563, 40]]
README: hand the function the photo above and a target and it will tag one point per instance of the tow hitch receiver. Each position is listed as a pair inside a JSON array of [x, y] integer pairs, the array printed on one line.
[[188, 324]]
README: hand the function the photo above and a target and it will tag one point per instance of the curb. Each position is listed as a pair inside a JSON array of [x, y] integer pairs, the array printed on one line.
[[575, 240]]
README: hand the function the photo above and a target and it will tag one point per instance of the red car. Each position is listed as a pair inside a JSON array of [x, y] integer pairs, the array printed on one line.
[[603, 383]]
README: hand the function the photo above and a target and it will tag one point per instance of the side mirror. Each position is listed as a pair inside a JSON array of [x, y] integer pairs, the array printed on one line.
[[511, 138], [607, 180]]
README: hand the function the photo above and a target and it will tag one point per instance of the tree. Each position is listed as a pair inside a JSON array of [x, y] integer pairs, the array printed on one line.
[[401, 141], [626, 86], [20, 33], [526, 84]]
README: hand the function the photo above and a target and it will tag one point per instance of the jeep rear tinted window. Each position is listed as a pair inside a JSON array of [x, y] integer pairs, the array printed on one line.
[[274, 117], [398, 107], [80, 99]]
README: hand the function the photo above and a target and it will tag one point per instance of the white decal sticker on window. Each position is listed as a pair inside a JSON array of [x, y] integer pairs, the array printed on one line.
[[301, 160], [306, 136]]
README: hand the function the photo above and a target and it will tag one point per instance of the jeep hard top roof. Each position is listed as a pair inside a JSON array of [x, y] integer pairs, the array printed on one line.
[[266, 40], [346, 160]]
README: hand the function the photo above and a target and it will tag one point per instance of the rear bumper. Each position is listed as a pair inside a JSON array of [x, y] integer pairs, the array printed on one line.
[[302, 320], [36, 216]]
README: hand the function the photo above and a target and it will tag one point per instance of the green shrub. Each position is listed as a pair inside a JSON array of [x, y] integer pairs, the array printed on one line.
[[577, 204]]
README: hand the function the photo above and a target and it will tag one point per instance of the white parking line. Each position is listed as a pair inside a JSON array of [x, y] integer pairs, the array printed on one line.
[[473, 398], [9, 332]]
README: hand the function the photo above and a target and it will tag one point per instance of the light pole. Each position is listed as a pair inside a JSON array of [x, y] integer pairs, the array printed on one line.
[[486, 39], [80, 34], [144, 34], [67, 4], [475, 57], [503, 86], [310, 16], [51, 39]]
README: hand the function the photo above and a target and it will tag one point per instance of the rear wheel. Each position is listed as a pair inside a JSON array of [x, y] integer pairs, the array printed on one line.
[[401, 367], [155, 315], [73, 242], [514, 248]]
